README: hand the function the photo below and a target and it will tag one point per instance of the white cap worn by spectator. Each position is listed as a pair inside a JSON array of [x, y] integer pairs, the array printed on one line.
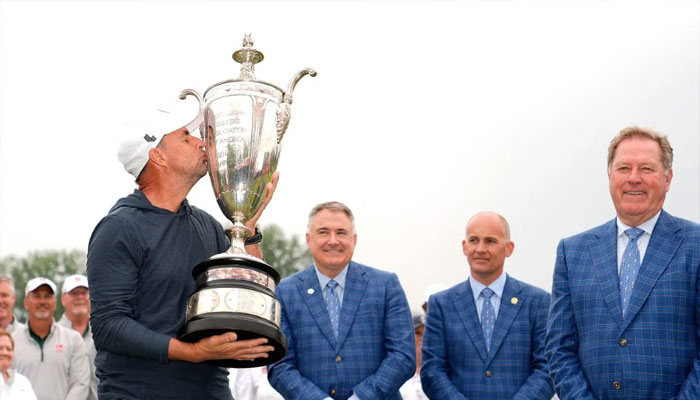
[[146, 132], [33, 284], [73, 282], [432, 289], [418, 319]]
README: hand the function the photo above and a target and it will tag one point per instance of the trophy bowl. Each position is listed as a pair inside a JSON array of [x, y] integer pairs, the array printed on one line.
[[242, 122]]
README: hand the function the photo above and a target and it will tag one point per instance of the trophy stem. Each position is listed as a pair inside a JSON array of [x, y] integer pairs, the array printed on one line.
[[238, 234]]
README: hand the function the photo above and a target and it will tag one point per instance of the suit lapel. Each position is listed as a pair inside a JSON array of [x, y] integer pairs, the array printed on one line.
[[463, 302], [604, 256], [315, 303], [663, 244], [507, 312], [355, 284]]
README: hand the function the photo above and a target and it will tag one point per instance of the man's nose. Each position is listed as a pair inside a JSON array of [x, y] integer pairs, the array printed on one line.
[[635, 176]]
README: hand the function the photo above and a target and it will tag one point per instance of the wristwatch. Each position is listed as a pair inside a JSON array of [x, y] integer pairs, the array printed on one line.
[[257, 238]]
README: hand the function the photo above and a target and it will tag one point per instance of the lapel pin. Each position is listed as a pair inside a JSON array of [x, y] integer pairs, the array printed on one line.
[[514, 300], [310, 291]]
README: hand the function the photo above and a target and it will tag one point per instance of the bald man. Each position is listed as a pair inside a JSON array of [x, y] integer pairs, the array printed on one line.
[[502, 355]]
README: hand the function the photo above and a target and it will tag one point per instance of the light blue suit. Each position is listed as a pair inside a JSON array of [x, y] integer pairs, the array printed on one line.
[[455, 364], [651, 353], [375, 351]]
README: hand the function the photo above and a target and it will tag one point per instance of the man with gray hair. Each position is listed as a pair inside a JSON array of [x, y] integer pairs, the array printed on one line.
[[75, 297], [51, 356], [348, 326], [7, 305], [625, 310]]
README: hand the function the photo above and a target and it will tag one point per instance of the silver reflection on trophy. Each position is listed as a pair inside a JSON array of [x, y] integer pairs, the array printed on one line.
[[242, 123]]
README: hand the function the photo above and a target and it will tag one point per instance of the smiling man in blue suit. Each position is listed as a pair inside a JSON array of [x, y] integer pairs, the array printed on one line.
[[625, 314], [348, 326], [484, 338]]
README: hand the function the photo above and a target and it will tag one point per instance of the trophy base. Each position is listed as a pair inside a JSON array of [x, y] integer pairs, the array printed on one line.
[[245, 326], [235, 294]]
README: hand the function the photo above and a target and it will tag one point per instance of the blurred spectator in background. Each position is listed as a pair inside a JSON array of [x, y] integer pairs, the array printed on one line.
[[412, 390], [251, 384], [51, 356], [431, 290], [75, 297], [13, 386], [7, 304]]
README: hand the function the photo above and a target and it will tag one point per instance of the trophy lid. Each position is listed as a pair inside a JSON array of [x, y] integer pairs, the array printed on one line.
[[247, 56]]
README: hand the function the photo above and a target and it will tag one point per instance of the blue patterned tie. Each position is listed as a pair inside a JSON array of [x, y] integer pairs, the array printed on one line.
[[488, 317], [333, 303], [629, 266]]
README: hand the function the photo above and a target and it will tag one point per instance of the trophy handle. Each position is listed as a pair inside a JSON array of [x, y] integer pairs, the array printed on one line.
[[284, 111], [197, 121]]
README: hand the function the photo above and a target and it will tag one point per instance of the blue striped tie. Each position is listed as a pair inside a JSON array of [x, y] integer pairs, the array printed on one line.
[[333, 303], [488, 317], [629, 266]]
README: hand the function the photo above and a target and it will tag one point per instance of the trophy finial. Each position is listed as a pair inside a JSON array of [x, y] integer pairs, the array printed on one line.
[[247, 40], [247, 56]]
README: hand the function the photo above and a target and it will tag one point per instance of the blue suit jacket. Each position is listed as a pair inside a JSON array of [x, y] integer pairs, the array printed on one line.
[[375, 351], [650, 354], [455, 364]]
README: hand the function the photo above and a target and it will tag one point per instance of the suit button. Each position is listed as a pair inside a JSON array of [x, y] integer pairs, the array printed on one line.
[[617, 385], [488, 374], [338, 359], [332, 392], [623, 342]]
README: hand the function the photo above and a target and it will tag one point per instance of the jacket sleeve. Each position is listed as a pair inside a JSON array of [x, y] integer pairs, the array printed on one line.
[[400, 362], [434, 366], [79, 377], [114, 256], [538, 385], [562, 342], [691, 386], [284, 375]]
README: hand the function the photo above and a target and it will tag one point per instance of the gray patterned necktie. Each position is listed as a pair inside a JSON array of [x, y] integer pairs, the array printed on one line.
[[629, 267], [333, 303], [488, 317]]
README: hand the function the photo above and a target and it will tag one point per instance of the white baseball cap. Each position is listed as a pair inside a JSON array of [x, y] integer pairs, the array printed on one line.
[[33, 284], [432, 289], [148, 127], [73, 282], [144, 134]]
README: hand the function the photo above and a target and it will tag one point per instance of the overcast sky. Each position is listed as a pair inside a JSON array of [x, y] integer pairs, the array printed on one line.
[[422, 114]]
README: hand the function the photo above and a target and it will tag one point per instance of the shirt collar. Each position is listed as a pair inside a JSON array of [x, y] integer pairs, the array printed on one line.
[[340, 278], [497, 286], [647, 226]]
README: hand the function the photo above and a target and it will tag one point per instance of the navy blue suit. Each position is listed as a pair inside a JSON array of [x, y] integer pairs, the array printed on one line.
[[455, 364], [375, 350], [651, 353]]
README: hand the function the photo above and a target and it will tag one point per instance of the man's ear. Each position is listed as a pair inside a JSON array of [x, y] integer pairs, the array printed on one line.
[[157, 156]]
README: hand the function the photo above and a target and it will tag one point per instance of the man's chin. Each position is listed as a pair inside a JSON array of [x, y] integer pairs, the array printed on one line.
[[42, 315]]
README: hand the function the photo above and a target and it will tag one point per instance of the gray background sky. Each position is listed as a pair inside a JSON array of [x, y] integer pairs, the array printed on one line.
[[422, 114]]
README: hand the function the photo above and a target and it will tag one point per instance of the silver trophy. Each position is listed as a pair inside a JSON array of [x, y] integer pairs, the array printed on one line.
[[242, 122]]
